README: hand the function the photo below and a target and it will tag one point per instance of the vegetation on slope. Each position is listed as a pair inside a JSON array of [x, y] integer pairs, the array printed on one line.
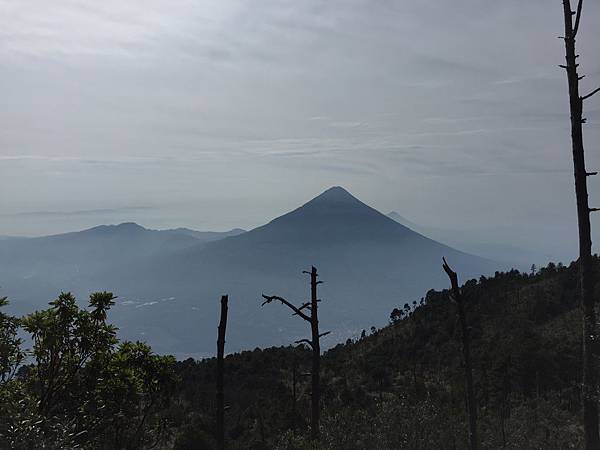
[[397, 387]]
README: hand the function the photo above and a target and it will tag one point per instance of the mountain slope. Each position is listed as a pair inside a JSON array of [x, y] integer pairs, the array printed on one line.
[[335, 230], [402, 386], [480, 243], [43, 266], [169, 282], [369, 264]]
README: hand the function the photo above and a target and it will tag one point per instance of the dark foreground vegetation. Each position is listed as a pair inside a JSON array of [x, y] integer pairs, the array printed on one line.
[[401, 386]]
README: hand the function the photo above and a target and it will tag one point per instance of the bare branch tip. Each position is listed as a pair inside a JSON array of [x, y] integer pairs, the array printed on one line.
[[594, 92], [303, 341]]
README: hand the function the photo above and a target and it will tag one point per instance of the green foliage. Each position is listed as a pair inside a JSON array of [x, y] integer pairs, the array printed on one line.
[[84, 389], [398, 387], [533, 424], [65, 338], [22, 427], [399, 423], [131, 387], [402, 386], [11, 355], [427, 424]]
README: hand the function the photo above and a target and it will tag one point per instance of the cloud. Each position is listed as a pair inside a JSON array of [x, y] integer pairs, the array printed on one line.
[[83, 212]]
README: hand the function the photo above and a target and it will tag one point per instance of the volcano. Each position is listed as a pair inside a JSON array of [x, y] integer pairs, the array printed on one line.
[[369, 264]]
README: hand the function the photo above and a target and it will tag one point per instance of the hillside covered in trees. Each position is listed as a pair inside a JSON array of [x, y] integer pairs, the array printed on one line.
[[396, 387]]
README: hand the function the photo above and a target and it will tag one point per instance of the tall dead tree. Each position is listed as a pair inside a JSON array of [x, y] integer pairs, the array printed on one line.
[[220, 391], [313, 343], [590, 374], [471, 405]]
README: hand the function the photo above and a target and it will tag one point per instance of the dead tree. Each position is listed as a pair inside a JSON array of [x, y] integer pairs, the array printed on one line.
[[590, 375], [220, 393], [294, 393], [471, 405], [313, 343]]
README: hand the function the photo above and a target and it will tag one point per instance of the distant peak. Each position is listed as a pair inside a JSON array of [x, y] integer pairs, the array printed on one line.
[[130, 226], [336, 194], [123, 227]]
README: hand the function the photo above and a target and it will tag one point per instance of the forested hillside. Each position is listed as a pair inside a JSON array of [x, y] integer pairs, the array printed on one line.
[[397, 387], [402, 386]]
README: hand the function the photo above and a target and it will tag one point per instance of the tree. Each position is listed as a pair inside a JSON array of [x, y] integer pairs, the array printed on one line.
[[11, 355], [590, 371], [396, 315], [65, 338], [313, 343], [135, 385], [471, 405], [86, 387], [220, 395], [19, 419]]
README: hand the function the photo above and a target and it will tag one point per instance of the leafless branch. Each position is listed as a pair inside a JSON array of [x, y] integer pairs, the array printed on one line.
[[304, 306], [304, 341], [324, 334], [585, 97], [451, 273], [269, 299]]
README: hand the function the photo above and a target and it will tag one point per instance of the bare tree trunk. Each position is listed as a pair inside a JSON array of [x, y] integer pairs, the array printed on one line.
[[220, 394], [590, 381], [314, 343], [316, 356], [503, 429], [471, 405], [261, 425], [294, 394]]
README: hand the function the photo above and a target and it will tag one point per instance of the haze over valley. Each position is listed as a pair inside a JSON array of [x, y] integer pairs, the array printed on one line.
[[169, 281]]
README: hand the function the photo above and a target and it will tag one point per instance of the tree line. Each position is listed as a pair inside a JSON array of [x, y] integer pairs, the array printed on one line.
[[401, 386]]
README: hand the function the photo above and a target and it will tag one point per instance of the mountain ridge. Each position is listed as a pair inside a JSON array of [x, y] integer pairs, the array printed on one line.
[[369, 264], [367, 260]]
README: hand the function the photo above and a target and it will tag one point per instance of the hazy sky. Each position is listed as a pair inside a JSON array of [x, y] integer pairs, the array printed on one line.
[[219, 114]]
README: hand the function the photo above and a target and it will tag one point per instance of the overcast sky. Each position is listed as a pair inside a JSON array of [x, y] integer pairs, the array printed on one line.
[[221, 114]]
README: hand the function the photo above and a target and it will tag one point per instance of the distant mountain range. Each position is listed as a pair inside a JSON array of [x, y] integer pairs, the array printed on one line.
[[478, 242], [169, 282]]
